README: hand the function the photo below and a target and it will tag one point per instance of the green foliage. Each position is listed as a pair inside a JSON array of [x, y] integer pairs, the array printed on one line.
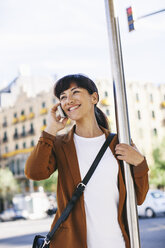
[[50, 184], [8, 184], [157, 173]]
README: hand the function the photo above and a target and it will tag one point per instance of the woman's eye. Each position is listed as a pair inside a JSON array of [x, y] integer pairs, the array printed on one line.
[[62, 98], [76, 91]]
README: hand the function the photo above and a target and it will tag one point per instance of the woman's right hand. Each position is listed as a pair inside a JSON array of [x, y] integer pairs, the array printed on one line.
[[55, 122]]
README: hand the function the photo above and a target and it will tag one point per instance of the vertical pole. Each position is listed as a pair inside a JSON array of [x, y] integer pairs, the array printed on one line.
[[122, 120]]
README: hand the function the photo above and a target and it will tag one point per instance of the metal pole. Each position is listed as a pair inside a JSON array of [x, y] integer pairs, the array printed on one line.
[[153, 13], [122, 117]]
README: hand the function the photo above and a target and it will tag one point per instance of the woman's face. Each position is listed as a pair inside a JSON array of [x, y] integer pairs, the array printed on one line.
[[78, 103]]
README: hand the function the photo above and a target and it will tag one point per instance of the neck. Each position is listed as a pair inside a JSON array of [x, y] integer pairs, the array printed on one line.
[[88, 129]]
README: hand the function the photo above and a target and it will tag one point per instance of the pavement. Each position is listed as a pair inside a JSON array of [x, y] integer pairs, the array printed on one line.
[[20, 233]]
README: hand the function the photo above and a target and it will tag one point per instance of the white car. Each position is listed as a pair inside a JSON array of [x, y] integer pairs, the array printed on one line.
[[153, 205]]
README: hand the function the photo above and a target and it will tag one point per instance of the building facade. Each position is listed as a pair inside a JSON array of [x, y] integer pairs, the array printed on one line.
[[21, 124]]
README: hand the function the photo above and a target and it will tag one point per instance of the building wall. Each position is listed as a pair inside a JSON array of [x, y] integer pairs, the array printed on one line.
[[145, 113]]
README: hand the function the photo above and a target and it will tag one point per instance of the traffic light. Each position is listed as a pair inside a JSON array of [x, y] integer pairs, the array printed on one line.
[[130, 19]]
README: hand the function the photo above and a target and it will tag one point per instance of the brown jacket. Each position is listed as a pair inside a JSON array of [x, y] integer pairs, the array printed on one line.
[[59, 152]]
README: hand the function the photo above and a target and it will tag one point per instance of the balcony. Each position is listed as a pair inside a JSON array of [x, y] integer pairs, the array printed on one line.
[[43, 111], [43, 127], [162, 105], [22, 118], [15, 152], [31, 116], [15, 120], [105, 102]]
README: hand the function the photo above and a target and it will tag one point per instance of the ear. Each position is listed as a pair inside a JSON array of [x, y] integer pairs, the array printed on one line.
[[94, 98]]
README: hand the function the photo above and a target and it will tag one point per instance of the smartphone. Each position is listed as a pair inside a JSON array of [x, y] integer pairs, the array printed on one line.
[[61, 111]]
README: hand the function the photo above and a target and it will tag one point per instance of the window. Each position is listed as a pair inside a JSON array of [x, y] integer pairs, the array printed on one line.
[[18, 167], [5, 134], [24, 145], [15, 134], [6, 149], [43, 104], [31, 109], [139, 115], [4, 122], [137, 97], [32, 143], [164, 97], [23, 131], [22, 112], [155, 132], [16, 147], [107, 112], [106, 93], [44, 122], [11, 165], [15, 115], [153, 114], [5, 139], [31, 129]]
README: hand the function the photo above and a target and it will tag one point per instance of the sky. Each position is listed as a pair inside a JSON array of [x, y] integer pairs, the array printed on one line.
[[58, 37]]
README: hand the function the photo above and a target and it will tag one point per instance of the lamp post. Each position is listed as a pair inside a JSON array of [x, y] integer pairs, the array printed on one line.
[[122, 120]]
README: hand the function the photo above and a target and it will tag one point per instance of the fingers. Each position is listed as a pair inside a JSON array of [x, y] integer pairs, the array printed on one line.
[[58, 118], [122, 151], [54, 108], [64, 121], [121, 157]]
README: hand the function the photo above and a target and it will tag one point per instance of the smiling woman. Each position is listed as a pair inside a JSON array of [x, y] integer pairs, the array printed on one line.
[[98, 219], [72, 90]]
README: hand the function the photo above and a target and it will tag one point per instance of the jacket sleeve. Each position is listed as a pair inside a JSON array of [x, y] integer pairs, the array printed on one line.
[[140, 174], [41, 162]]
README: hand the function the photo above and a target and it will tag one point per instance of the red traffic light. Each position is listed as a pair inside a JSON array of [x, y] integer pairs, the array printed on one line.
[[129, 11], [130, 19]]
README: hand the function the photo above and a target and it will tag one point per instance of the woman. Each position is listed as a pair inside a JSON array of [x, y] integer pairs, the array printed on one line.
[[99, 217]]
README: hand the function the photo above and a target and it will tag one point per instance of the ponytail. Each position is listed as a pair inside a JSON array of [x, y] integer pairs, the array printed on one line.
[[101, 118]]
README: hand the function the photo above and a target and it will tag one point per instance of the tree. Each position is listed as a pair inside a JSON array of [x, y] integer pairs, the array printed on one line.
[[157, 173], [8, 186], [50, 184]]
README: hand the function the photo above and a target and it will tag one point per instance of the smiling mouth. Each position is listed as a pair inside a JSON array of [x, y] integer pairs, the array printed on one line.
[[73, 108]]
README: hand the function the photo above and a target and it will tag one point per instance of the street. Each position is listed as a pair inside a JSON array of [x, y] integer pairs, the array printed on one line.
[[20, 233]]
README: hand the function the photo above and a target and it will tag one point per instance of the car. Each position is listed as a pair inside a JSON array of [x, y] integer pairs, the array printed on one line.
[[153, 205]]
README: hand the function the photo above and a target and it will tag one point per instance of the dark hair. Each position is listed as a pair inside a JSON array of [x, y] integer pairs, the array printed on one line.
[[83, 82]]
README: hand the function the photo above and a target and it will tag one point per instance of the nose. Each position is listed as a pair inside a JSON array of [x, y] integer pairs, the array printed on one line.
[[69, 99]]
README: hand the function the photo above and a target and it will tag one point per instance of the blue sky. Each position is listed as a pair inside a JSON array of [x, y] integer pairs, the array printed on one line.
[[57, 37]]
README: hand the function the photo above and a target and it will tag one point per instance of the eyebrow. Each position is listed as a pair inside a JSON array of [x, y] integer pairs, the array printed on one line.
[[62, 93]]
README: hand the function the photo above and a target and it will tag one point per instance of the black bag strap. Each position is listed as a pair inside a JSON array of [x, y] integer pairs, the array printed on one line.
[[80, 188]]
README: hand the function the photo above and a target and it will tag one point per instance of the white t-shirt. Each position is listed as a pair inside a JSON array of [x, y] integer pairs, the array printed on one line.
[[101, 195]]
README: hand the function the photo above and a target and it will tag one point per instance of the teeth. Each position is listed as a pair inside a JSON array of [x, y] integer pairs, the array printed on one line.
[[73, 108]]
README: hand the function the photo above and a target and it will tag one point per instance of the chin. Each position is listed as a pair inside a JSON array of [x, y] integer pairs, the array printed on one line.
[[75, 118]]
